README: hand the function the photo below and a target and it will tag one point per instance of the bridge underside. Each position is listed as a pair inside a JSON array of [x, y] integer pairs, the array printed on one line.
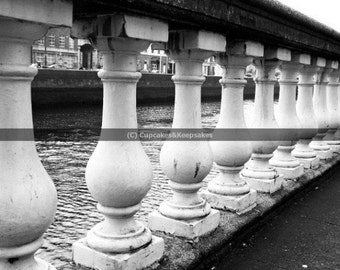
[[256, 20]]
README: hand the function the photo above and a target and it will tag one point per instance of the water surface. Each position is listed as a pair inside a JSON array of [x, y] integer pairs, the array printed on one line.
[[65, 161]]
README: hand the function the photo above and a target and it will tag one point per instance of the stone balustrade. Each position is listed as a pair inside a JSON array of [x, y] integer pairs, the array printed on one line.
[[258, 173], [119, 173], [305, 112], [187, 163], [283, 161], [332, 106], [321, 111], [228, 191], [28, 198]]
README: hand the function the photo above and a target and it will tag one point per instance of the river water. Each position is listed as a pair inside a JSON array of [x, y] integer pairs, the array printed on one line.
[[65, 161]]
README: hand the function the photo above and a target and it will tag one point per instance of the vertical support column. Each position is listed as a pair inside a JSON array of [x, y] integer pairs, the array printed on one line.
[[332, 106], [337, 133], [187, 163], [305, 112], [258, 173], [28, 198], [321, 148], [119, 173], [286, 116], [228, 191]]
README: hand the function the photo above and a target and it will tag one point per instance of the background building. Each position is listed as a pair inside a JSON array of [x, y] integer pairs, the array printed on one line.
[[56, 50]]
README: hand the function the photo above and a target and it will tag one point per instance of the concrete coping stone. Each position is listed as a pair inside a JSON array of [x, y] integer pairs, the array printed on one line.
[[54, 13]]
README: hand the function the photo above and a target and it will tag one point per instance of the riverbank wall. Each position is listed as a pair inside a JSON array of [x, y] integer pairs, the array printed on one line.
[[68, 88]]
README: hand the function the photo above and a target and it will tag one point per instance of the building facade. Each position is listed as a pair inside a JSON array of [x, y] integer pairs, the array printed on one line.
[[56, 50]]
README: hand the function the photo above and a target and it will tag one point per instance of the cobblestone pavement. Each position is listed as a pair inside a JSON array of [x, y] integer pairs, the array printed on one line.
[[65, 161]]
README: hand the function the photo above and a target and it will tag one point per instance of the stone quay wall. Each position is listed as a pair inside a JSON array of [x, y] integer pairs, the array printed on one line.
[[61, 88]]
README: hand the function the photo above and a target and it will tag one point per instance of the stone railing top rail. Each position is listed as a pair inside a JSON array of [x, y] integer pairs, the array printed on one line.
[[266, 21]]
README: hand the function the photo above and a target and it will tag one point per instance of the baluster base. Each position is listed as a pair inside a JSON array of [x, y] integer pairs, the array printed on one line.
[[321, 148], [286, 164], [139, 259], [324, 155], [239, 204], [306, 155], [260, 175], [190, 229], [229, 192], [22, 257], [332, 141], [310, 163], [335, 148], [265, 185], [291, 173]]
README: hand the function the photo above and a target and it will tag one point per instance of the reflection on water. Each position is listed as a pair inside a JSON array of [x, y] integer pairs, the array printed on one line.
[[65, 161]]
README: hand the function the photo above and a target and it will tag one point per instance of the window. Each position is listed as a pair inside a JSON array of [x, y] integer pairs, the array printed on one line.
[[50, 59], [61, 41], [40, 42], [68, 61], [71, 43], [205, 70], [39, 58], [51, 40], [212, 71]]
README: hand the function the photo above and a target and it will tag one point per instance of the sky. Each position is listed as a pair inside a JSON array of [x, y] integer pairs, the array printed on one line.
[[324, 11]]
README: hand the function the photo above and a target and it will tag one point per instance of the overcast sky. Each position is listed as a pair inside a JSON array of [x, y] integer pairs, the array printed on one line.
[[325, 11]]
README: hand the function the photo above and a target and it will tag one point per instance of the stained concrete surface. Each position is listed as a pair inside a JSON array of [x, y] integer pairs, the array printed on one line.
[[304, 235]]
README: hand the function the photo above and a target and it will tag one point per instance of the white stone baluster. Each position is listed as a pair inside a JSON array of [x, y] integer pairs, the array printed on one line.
[[283, 160], [119, 173], [228, 191], [332, 106], [305, 112], [187, 163], [258, 173], [28, 198], [321, 148], [337, 133]]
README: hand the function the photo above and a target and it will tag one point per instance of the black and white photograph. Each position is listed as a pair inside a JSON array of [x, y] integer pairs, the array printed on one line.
[[169, 135]]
